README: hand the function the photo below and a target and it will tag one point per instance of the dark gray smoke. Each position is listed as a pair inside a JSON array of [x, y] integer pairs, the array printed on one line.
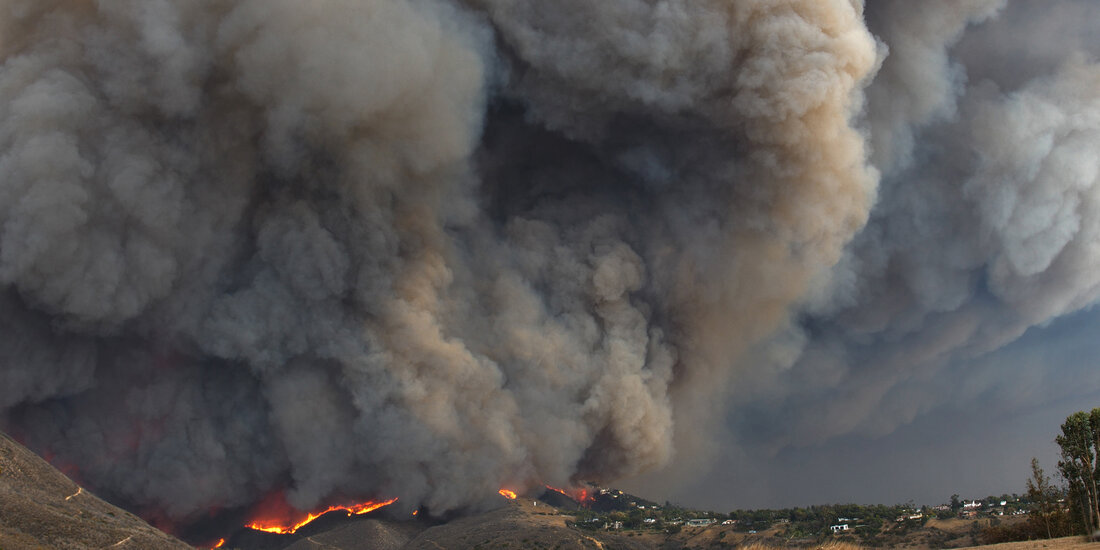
[[428, 249], [414, 249]]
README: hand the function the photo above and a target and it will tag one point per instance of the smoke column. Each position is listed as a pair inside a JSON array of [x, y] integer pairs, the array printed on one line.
[[983, 121], [427, 249]]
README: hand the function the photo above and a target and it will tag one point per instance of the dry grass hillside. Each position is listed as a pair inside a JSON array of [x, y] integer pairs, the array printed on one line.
[[829, 546], [41, 509], [1065, 543]]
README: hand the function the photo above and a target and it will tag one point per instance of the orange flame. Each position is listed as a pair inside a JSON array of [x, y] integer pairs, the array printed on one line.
[[221, 542], [556, 490], [579, 495], [507, 494], [286, 529]]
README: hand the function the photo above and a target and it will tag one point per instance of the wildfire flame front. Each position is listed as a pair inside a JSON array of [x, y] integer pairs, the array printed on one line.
[[579, 495], [285, 529]]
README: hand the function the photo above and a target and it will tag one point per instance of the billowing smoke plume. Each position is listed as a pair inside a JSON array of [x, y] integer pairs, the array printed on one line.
[[406, 248], [429, 248], [985, 226]]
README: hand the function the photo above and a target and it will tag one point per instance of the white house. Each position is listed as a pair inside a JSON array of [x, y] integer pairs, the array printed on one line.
[[699, 522], [839, 528]]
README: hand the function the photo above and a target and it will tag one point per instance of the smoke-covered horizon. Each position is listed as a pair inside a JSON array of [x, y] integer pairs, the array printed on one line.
[[430, 248]]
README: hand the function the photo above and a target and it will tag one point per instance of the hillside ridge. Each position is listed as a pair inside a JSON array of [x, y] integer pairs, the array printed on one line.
[[42, 508]]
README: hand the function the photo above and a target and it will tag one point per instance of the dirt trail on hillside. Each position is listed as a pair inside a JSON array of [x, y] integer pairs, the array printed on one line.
[[41, 508]]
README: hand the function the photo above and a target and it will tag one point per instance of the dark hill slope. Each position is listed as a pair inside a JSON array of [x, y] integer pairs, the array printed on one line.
[[41, 508], [520, 524], [366, 534]]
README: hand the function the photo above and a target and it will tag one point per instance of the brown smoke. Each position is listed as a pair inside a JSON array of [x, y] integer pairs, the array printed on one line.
[[407, 248]]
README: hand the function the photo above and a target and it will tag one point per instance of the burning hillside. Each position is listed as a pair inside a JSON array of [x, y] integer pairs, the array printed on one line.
[[285, 521]]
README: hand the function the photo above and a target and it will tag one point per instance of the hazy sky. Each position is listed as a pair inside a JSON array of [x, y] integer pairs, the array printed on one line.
[[988, 413], [974, 447]]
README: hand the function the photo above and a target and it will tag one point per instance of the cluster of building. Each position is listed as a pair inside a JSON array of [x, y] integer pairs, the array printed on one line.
[[842, 525], [702, 522], [971, 509], [617, 525]]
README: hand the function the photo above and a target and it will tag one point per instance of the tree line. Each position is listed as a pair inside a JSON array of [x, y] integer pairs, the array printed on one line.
[[1074, 508], [1080, 443]]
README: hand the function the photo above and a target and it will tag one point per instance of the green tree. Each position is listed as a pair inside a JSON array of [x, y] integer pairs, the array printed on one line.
[[1079, 443]]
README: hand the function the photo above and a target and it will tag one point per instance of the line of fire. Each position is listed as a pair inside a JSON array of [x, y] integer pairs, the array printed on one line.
[[279, 518]]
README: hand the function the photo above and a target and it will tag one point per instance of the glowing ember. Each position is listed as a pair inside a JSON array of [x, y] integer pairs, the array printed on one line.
[[288, 528], [221, 542], [507, 494]]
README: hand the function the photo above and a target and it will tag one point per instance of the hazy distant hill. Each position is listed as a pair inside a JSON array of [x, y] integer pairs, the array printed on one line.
[[40, 508]]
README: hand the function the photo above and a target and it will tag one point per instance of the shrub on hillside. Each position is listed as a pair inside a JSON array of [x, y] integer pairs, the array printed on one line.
[[1061, 525]]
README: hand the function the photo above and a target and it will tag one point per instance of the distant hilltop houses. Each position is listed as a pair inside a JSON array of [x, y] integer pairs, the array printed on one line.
[[703, 522], [614, 510], [842, 525], [989, 507]]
